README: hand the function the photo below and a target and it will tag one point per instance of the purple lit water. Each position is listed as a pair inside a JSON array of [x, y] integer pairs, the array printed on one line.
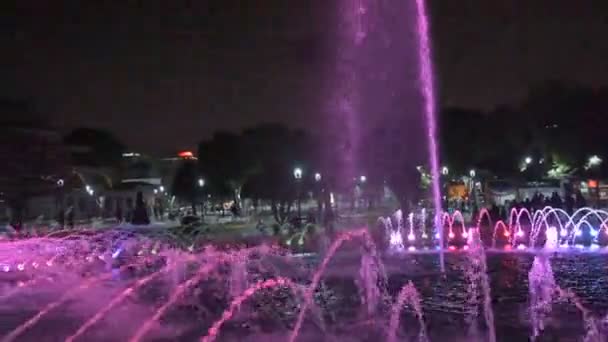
[[350, 292]]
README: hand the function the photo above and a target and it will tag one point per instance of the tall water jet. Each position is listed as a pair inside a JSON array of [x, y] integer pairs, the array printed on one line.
[[428, 92], [369, 274], [477, 274], [541, 284]]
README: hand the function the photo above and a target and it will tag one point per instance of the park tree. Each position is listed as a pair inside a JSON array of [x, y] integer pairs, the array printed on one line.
[[34, 162], [226, 164], [185, 183], [275, 150]]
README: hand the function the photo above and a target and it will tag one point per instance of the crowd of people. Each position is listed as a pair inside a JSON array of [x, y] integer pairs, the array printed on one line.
[[569, 203]]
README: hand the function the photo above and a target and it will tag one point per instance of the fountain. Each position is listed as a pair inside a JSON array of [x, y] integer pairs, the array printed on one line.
[[155, 284], [129, 284]]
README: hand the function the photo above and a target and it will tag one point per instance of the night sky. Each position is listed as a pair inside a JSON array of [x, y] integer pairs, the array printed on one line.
[[165, 74]]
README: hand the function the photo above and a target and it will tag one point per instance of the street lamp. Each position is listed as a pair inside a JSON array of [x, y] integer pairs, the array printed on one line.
[[297, 174], [162, 188], [594, 160], [528, 160]]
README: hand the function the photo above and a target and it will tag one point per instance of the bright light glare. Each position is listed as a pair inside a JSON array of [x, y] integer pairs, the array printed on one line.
[[451, 235], [411, 237]]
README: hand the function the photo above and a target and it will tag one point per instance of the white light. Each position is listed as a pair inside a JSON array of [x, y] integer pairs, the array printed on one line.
[[60, 182], [162, 188], [411, 248], [297, 173], [578, 233], [595, 160], [437, 236], [411, 237], [465, 235], [88, 188], [563, 232], [472, 173], [201, 182], [445, 171], [317, 177], [451, 235], [528, 160], [521, 246], [155, 191], [424, 235], [594, 232], [520, 233], [363, 179]]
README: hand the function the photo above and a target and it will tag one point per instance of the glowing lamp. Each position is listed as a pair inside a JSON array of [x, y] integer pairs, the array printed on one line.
[[437, 236], [411, 248], [578, 233], [411, 237], [520, 233], [507, 233], [451, 235], [563, 232], [186, 154], [592, 183], [452, 248], [465, 235]]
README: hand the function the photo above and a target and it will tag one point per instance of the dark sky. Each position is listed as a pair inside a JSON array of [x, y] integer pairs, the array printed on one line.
[[165, 74]]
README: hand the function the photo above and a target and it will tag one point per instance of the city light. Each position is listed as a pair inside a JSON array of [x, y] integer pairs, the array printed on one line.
[[155, 191], [411, 237], [297, 173], [363, 179], [201, 182], [472, 173], [593, 161], [162, 188], [317, 177], [528, 160], [445, 171]]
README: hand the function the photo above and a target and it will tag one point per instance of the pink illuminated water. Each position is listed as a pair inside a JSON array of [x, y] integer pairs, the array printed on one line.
[[407, 295], [316, 278], [214, 330], [428, 91]]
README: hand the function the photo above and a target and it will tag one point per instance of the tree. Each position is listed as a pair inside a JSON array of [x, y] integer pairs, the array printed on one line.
[[275, 150], [33, 162], [185, 185], [226, 164]]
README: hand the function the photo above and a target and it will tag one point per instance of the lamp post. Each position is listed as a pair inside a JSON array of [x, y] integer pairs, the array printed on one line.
[[472, 174], [297, 175], [201, 185]]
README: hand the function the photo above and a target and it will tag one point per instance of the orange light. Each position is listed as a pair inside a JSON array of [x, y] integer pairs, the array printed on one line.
[[507, 234], [186, 154], [592, 183]]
